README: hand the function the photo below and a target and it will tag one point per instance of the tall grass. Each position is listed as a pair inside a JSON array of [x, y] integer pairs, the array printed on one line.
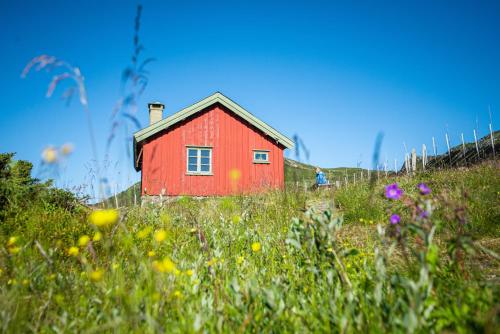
[[193, 265]]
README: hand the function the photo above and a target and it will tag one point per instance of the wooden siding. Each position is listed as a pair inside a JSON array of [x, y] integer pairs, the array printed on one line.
[[233, 140]]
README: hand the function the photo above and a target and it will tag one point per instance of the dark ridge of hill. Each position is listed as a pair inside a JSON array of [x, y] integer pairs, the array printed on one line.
[[460, 157]]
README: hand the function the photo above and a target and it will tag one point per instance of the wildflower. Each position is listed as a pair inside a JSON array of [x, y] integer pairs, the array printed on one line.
[[73, 251], [177, 294], [151, 253], [395, 219], [164, 266], [236, 219], [144, 232], [424, 189], [177, 272], [392, 191], [102, 218], [97, 236], [189, 272], [96, 275], [240, 260], [49, 155], [14, 250], [67, 148], [256, 247], [12, 241], [212, 261], [160, 235], [83, 241], [422, 213]]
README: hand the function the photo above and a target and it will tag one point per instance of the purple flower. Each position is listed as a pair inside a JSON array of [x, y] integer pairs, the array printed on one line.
[[424, 189], [395, 219], [423, 213], [393, 192]]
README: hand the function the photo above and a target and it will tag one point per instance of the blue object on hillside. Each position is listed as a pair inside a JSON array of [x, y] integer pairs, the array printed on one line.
[[320, 178]]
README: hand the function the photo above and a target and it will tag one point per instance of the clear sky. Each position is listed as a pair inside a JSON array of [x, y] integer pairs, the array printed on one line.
[[335, 73]]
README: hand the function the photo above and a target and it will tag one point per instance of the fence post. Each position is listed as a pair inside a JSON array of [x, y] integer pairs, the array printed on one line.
[[492, 140], [448, 145], [424, 156], [414, 160], [475, 141]]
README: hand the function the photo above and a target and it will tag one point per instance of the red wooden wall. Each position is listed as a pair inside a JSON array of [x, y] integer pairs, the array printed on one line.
[[232, 140]]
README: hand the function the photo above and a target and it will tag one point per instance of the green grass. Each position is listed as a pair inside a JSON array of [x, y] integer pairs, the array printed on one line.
[[316, 272]]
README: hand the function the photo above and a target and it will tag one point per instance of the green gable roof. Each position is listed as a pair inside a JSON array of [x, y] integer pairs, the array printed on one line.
[[179, 116]]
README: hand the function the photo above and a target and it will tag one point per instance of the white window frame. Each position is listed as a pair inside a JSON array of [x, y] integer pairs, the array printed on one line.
[[198, 160], [260, 161]]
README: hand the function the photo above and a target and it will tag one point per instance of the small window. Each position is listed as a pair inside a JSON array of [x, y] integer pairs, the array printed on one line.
[[199, 160], [261, 157]]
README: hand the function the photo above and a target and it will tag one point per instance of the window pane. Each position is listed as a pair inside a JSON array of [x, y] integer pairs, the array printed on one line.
[[205, 153], [192, 160], [264, 156], [205, 161], [192, 168], [192, 152], [205, 168]]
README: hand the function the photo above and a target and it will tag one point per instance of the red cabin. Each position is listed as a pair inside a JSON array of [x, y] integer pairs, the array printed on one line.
[[212, 148]]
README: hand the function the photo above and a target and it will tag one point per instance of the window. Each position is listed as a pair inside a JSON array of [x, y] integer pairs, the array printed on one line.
[[261, 156], [199, 160]]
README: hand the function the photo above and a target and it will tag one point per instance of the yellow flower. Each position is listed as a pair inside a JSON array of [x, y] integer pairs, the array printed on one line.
[[73, 251], [67, 148], [151, 253], [160, 235], [12, 241], [177, 272], [177, 294], [97, 236], [103, 218], [97, 275], [83, 241], [189, 272], [240, 260], [115, 266], [164, 266], [49, 155], [211, 262], [14, 250], [144, 232], [236, 219], [256, 247]]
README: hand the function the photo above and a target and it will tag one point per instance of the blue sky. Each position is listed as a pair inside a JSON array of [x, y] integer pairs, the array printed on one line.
[[335, 73]]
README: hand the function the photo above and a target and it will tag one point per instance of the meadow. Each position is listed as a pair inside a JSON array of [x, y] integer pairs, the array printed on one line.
[[401, 254]]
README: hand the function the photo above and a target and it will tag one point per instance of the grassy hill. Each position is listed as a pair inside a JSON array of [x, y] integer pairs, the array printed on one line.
[[274, 262]]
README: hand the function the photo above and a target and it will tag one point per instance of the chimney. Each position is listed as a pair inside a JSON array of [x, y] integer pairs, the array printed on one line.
[[155, 112]]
